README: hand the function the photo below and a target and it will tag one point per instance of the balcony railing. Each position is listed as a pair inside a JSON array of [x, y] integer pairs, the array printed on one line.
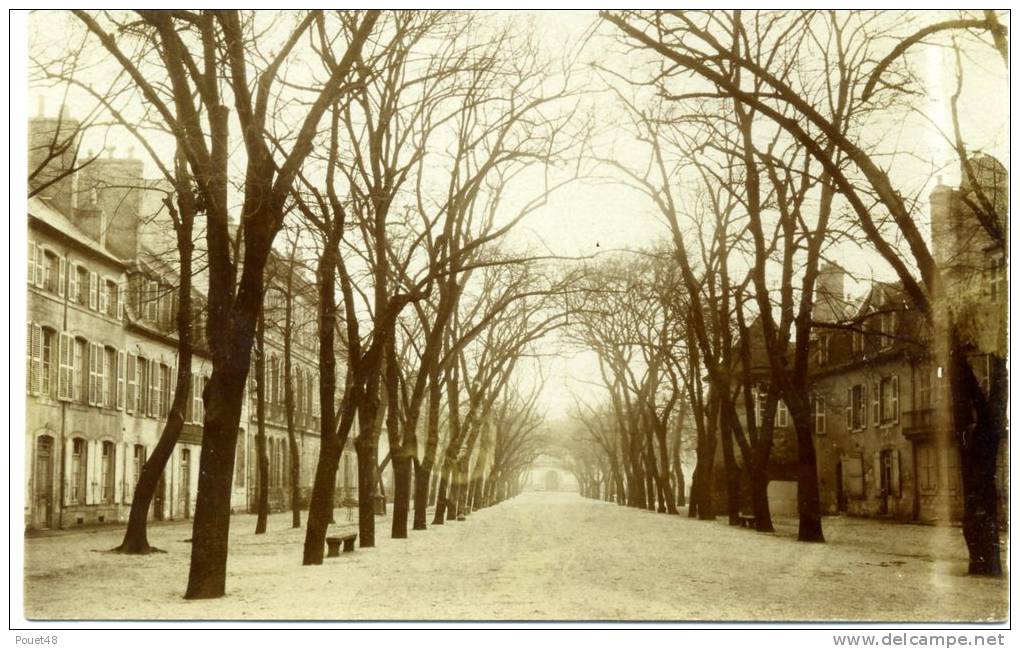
[[919, 422]]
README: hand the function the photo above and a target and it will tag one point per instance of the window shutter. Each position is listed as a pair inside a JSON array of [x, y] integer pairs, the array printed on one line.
[[92, 375], [40, 268], [93, 291], [121, 376], [876, 413], [315, 397], [140, 387], [132, 384], [120, 303], [77, 371], [104, 297], [72, 282], [65, 374], [189, 403], [61, 276], [153, 388], [173, 388], [37, 368], [33, 252]]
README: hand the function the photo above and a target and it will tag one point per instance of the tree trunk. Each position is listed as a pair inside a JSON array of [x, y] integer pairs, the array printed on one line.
[[211, 530], [422, 480], [440, 514], [809, 505], [401, 494], [731, 469]]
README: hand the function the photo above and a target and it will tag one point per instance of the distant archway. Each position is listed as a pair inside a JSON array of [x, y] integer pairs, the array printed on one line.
[[552, 480]]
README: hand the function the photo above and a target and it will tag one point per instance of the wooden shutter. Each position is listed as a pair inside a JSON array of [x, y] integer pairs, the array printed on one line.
[[61, 276], [93, 291], [35, 358], [153, 388], [33, 252], [121, 378], [132, 382], [78, 371], [120, 302], [72, 283], [40, 268], [66, 367], [189, 403], [876, 412], [853, 475], [92, 375]]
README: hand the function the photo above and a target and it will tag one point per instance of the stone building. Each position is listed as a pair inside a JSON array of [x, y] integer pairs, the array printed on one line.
[[882, 426], [101, 347]]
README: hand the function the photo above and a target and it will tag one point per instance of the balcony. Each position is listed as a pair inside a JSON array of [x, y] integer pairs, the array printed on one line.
[[919, 423]]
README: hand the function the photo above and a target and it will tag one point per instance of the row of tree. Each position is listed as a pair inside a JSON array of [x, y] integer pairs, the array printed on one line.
[[759, 145], [383, 145]]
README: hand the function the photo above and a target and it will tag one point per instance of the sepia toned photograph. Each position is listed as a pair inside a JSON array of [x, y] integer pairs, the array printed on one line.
[[512, 317]]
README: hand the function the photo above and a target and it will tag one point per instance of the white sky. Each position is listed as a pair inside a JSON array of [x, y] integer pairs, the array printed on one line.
[[597, 215]]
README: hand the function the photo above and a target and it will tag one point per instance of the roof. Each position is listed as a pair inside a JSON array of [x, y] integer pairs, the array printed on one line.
[[42, 211]]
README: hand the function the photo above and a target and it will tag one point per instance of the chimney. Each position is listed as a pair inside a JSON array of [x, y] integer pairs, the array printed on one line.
[[112, 187], [830, 293], [52, 146]]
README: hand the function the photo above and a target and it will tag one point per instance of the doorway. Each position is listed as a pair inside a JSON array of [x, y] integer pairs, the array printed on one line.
[[43, 511]]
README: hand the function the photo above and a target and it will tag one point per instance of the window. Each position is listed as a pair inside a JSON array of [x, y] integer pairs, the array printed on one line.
[[922, 385], [927, 473], [139, 461], [36, 264], [107, 472], [953, 468], [857, 407], [121, 379], [79, 460], [782, 415], [80, 286], [887, 324], [94, 291], [111, 300], [823, 348], [889, 399], [151, 301], [857, 341], [818, 412], [52, 275]]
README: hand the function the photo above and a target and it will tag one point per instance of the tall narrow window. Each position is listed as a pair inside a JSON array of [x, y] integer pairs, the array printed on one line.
[[109, 389], [81, 377], [139, 461], [109, 460], [79, 461], [818, 404], [49, 337]]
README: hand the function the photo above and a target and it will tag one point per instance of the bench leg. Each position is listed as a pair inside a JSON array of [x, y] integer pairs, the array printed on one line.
[[334, 550], [348, 545]]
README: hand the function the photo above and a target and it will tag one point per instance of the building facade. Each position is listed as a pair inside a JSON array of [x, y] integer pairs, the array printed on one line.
[[101, 362]]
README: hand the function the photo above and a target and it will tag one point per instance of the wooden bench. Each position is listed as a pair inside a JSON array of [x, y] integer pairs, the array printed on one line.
[[747, 521], [334, 544]]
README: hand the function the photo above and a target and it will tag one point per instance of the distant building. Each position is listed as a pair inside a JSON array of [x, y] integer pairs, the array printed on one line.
[[547, 474]]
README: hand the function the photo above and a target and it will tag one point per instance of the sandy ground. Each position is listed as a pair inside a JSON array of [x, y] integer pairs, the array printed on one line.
[[539, 556]]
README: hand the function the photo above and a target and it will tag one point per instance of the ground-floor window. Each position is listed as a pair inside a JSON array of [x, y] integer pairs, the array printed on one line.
[[927, 471], [107, 471], [79, 460]]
